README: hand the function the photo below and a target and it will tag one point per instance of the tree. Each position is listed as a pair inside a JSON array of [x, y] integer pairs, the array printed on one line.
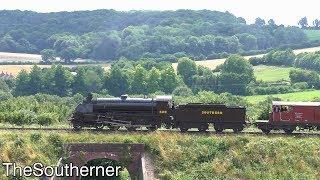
[[22, 84], [310, 77], [117, 82], [236, 74], [107, 48], [3, 86], [272, 23], [260, 22], [303, 22], [187, 68], [69, 54], [153, 80], [169, 80], [61, 80], [48, 55], [139, 84], [248, 41], [316, 23], [79, 84], [36, 80]]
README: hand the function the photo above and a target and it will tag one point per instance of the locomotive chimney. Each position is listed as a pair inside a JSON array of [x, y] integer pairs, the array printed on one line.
[[124, 97]]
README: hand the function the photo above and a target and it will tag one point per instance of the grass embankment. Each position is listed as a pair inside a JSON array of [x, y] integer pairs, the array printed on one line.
[[297, 96], [179, 156], [313, 34]]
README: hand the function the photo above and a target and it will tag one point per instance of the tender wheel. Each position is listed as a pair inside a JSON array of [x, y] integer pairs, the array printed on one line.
[[183, 129], [218, 129], [77, 127], [288, 130], [266, 131], [152, 128], [113, 128], [237, 129], [131, 128], [203, 128]]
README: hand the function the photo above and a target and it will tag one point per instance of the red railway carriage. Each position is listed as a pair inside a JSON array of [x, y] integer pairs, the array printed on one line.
[[290, 115]]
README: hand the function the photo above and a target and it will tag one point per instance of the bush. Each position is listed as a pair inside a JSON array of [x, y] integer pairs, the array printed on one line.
[[22, 117], [46, 119], [35, 137], [182, 91], [300, 85], [310, 77], [271, 89]]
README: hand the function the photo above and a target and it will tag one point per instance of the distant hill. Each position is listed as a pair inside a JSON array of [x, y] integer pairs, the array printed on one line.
[[160, 35]]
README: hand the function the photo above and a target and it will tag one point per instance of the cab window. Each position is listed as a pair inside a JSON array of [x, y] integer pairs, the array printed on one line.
[[285, 108]]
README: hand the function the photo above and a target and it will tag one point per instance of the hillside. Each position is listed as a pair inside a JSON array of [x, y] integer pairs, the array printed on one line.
[[160, 35], [184, 156]]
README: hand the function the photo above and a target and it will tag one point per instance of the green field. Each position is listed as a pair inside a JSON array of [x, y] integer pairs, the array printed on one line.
[[313, 34], [272, 73], [297, 96]]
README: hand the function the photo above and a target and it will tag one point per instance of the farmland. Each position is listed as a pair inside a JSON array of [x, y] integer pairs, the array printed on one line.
[[17, 57], [15, 69], [184, 156], [296, 96]]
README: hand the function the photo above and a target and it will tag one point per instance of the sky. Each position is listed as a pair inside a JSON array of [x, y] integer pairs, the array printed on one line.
[[286, 12]]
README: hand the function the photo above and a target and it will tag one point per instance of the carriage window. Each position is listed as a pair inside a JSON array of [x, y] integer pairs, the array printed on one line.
[[276, 109]]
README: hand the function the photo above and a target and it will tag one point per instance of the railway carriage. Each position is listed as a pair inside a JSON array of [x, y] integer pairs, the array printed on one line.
[[290, 115]]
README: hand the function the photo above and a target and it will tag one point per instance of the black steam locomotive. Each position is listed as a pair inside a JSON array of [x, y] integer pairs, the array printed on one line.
[[133, 113]]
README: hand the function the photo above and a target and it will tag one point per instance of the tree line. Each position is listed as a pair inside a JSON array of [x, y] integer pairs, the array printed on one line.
[[160, 35]]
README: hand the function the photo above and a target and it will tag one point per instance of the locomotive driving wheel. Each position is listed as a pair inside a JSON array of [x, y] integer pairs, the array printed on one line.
[[152, 128], [113, 128], [99, 126], [183, 129], [77, 127]]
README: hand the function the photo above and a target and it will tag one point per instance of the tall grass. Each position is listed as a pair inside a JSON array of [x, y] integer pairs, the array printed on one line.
[[185, 156]]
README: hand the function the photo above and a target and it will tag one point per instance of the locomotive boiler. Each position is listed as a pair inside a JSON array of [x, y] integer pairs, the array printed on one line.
[[123, 112]]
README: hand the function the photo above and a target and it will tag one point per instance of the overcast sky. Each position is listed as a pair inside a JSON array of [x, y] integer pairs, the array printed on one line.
[[286, 12]]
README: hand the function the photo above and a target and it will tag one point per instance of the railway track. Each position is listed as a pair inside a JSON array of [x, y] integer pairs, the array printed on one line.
[[144, 131]]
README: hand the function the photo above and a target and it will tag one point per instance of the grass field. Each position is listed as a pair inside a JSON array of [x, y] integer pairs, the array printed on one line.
[[313, 34], [272, 73], [297, 96]]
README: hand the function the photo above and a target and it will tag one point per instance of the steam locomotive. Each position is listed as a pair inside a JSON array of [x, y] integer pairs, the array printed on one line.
[[153, 113], [133, 113]]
